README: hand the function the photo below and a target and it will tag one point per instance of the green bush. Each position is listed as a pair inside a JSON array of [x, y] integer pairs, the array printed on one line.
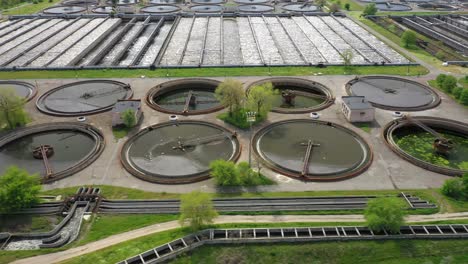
[[370, 10], [449, 84], [347, 6], [453, 188], [385, 214], [226, 173], [457, 92], [238, 118], [440, 79], [464, 96]]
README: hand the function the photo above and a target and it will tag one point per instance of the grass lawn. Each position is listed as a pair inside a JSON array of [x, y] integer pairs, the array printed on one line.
[[30, 8], [120, 132], [394, 251], [416, 51], [365, 126], [214, 72], [104, 225]]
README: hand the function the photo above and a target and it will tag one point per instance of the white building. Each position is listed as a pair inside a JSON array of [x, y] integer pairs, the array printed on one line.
[[357, 109]]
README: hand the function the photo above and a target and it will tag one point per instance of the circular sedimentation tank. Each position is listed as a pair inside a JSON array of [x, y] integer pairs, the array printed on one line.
[[312, 150], [208, 2], [156, 2], [156, 9], [21, 89], [103, 10], [256, 8], [249, 2], [392, 93], [392, 7], [65, 9], [185, 97], [83, 98], [68, 148], [437, 7], [295, 95], [306, 7], [407, 138], [206, 8], [123, 2], [178, 151], [80, 2]]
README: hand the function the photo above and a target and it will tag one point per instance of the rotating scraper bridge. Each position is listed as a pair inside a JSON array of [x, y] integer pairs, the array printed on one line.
[[143, 41]]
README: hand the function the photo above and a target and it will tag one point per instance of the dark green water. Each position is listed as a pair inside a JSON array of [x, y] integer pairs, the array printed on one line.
[[153, 151], [69, 147], [418, 144]]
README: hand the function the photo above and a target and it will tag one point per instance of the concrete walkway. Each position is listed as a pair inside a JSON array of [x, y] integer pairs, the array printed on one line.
[[119, 238]]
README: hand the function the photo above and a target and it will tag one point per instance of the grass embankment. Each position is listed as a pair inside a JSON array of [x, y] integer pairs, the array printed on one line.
[[28, 223], [215, 72], [395, 251], [29, 8], [414, 50], [353, 6]]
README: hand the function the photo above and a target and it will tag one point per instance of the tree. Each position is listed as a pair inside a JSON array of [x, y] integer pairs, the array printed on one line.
[[449, 83], [370, 10], [261, 98], [347, 6], [347, 57], [129, 118], [196, 209], [12, 112], [464, 96], [224, 172], [18, 190], [231, 94], [384, 214], [408, 38]]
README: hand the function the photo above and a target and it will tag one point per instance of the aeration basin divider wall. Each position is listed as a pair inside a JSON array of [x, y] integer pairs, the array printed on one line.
[[168, 251], [187, 41]]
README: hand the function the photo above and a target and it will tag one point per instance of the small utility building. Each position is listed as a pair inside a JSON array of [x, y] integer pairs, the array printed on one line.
[[357, 109], [123, 105]]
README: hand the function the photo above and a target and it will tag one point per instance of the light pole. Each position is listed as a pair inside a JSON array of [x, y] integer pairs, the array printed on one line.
[[251, 116]]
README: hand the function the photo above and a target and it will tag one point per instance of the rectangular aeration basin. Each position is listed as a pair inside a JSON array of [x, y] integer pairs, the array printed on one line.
[[191, 41]]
